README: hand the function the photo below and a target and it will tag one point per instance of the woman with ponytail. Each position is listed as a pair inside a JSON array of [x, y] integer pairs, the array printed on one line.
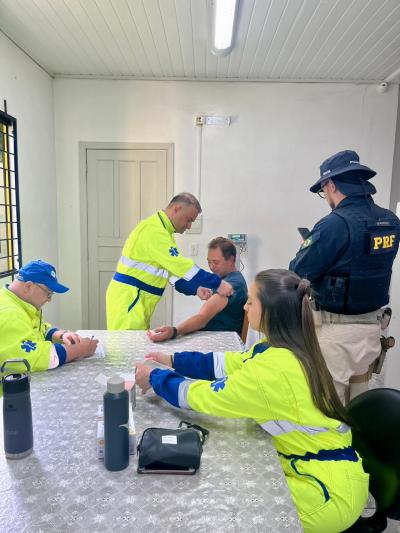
[[282, 383]]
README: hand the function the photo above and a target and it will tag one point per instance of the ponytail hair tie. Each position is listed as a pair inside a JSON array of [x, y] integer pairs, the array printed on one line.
[[304, 288]]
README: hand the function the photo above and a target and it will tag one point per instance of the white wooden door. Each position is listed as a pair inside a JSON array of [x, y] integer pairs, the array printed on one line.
[[123, 187]]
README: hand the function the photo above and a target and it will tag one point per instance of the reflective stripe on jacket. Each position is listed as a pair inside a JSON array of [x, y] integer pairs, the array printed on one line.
[[324, 474], [150, 257]]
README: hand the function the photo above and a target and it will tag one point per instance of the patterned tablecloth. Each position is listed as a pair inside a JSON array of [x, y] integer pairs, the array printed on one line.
[[63, 486]]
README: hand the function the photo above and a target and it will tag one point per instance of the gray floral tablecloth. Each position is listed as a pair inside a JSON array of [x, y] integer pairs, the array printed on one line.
[[63, 486]]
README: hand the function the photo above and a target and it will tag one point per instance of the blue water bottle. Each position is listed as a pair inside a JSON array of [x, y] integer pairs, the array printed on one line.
[[116, 429], [17, 412]]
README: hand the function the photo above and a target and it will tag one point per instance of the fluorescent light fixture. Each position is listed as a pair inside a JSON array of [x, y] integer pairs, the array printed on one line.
[[224, 20]]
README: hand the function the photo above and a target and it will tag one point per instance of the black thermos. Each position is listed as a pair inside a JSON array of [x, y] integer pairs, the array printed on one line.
[[17, 412], [116, 429]]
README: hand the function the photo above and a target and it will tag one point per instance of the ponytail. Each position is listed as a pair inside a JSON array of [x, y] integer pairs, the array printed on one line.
[[288, 322]]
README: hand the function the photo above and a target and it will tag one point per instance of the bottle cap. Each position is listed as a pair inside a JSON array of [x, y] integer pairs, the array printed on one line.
[[15, 383], [115, 384]]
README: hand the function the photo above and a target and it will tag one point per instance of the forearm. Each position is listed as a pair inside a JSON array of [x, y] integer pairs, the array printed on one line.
[[194, 323]]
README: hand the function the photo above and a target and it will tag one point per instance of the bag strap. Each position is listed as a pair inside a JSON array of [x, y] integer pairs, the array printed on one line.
[[203, 431]]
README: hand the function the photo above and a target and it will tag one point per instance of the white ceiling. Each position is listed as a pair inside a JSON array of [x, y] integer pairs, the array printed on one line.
[[283, 40]]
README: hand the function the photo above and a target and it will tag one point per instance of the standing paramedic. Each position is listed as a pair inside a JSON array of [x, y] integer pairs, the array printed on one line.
[[348, 258], [150, 258]]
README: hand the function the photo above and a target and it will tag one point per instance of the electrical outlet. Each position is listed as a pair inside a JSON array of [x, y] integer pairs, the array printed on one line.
[[194, 249], [199, 120]]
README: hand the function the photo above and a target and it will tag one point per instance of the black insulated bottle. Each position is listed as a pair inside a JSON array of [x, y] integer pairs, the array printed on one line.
[[116, 429], [17, 412]]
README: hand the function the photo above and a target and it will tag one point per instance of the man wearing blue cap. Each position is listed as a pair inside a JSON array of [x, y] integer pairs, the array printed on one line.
[[348, 258], [22, 332]]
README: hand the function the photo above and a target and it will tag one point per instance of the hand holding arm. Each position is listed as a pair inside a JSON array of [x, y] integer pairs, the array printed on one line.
[[225, 289], [203, 293]]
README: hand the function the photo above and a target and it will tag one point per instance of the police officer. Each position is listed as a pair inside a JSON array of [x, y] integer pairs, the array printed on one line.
[[150, 258], [348, 258]]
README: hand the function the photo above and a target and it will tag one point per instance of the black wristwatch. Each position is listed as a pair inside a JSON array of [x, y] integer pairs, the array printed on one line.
[[174, 333]]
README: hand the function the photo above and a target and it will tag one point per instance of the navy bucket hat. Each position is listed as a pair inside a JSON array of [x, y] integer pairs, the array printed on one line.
[[344, 168], [41, 272]]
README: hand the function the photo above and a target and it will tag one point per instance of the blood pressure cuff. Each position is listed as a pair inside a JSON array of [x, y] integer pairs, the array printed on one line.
[[171, 450]]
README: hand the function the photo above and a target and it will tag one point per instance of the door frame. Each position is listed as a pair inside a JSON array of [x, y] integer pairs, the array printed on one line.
[[84, 146]]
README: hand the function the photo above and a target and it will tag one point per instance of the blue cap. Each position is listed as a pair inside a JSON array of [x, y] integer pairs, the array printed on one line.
[[346, 167], [41, 272]]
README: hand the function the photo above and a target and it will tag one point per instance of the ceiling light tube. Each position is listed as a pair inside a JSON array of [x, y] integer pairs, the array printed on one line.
[[224, 14]]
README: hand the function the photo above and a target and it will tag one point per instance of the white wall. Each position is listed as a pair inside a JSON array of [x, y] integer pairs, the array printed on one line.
[[256, 173], [392, 371], [29, 94]]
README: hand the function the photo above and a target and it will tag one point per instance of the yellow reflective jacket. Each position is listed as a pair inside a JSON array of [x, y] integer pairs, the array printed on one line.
[[323, 471], [23, 335], [150, 258]]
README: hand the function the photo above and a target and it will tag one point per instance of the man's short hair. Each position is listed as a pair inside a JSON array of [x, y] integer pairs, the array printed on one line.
[[186, 198], [226, 246]]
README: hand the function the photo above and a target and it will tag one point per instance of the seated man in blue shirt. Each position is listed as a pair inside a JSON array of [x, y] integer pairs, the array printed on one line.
[[218, 313]]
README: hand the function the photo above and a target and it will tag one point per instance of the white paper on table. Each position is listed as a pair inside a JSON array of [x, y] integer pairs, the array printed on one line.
[[100, 352], [102, 379]]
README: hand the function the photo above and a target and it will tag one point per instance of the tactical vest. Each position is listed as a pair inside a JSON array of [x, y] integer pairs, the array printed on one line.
[[359, 280]]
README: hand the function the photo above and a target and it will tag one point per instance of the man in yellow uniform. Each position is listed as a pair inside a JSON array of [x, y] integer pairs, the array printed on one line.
[[150, 258], [23, 335]]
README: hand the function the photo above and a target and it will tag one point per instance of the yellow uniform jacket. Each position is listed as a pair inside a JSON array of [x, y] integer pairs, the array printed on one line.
[[150, 258], [323, 471]]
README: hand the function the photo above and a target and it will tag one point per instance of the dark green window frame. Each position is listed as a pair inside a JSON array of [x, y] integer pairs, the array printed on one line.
[[10, 225]]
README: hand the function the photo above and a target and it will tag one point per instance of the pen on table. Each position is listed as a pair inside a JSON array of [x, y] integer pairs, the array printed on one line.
[[133, 392]]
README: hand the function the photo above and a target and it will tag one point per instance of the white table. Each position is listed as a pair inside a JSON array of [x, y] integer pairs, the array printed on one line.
[[62, 487]]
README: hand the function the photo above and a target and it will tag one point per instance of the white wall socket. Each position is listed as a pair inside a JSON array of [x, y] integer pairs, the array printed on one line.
[[194, 249]]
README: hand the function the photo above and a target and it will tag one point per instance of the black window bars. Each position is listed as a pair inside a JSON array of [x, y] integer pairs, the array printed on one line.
[[10, 226]]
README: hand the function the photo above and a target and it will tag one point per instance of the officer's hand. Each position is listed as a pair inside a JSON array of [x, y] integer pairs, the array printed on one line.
[[203, 293], [225, 289], [159, 357], [85, 348], [143, 377], [160, 334]]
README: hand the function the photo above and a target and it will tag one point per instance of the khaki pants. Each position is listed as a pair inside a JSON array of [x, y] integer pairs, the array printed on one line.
[[349, 344]]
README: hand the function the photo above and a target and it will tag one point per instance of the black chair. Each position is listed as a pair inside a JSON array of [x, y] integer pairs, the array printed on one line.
[[376, 437]]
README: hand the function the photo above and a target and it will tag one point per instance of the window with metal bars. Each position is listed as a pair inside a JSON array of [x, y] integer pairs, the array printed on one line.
[[10, 228]]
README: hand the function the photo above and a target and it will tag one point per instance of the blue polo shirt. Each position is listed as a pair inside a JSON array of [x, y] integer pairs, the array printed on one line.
[[231, 317]]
